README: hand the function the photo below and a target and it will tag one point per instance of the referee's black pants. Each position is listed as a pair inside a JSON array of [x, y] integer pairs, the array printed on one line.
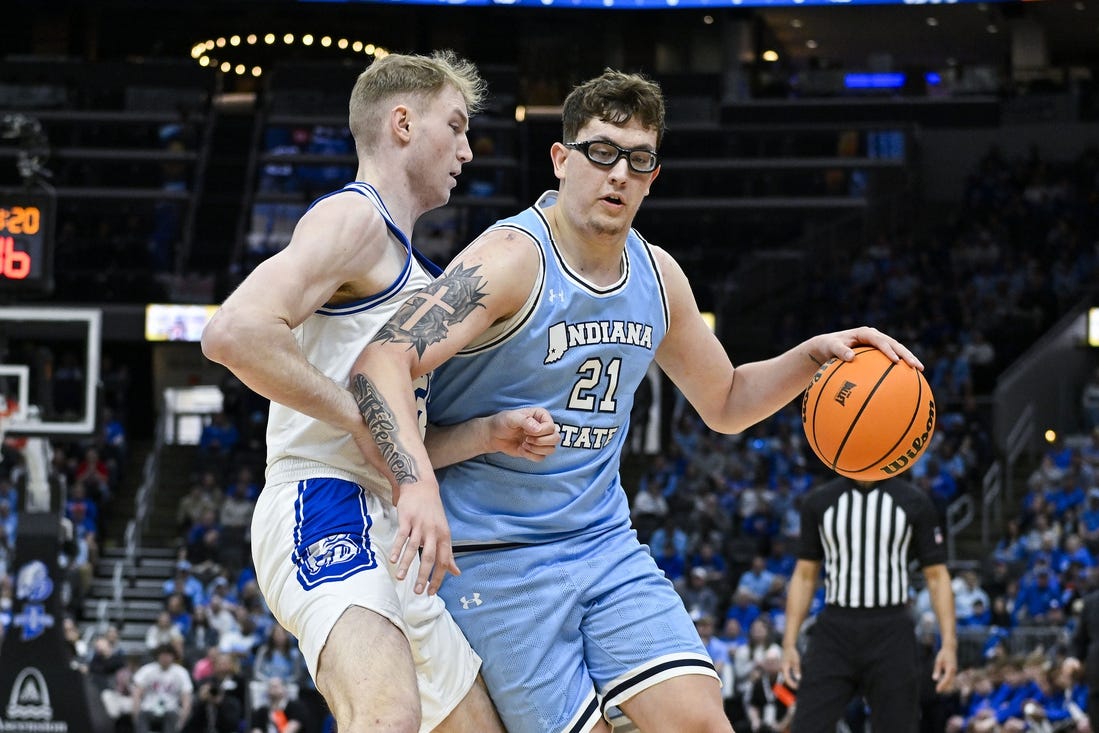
[[871, 652]]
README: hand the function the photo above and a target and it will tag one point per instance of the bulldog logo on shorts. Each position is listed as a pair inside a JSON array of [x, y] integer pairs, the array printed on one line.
[[333, 558], [328, 552], [332, 532]]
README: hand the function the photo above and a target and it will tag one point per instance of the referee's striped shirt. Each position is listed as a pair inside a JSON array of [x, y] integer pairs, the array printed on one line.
[[864, 535]]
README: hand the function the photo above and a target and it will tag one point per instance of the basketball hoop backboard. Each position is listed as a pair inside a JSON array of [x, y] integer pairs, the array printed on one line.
[[49, 369]]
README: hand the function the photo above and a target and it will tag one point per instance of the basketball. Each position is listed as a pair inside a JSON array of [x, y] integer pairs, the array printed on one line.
[[868, 419]]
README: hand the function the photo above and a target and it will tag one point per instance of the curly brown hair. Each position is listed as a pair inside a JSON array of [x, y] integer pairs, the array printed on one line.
[[615, 97]]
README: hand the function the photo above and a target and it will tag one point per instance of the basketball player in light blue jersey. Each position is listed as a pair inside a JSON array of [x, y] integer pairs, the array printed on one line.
[[383, 656], [565, 305]]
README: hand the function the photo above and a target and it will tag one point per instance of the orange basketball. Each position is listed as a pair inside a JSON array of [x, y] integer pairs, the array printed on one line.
[[868, 419]]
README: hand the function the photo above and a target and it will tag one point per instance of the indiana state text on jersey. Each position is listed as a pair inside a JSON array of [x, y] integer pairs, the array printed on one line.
[[563, 336], [597, 383]]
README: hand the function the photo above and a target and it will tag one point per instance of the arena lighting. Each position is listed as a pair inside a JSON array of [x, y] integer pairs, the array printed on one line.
[[241, 65], [661, 4], [1093, 326], [884, 80]]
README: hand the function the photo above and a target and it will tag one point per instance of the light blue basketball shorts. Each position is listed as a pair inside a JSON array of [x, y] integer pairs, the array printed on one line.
[[568, 629]]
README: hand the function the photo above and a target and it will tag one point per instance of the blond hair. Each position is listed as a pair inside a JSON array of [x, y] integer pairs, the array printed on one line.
[[416, 76]]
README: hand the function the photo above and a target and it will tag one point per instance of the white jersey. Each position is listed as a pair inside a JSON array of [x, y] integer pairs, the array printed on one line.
[[324, 523], [300, 447]]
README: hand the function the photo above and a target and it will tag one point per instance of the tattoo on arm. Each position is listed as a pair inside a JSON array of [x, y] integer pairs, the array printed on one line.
[[425, 318], [379, 418]]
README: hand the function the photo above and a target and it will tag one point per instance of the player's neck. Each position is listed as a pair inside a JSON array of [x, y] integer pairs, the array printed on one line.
[[395, 192], [597, 258]]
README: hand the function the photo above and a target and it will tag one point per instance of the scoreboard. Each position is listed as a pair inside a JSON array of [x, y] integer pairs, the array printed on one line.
[[26, 242]]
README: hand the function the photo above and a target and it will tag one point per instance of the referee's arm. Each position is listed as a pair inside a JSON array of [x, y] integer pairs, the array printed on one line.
[[799, 595], [942, 603]]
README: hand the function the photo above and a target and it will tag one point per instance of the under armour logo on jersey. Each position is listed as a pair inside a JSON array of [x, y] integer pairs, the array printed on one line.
[[556, 296], [467, 602], [938, 536]]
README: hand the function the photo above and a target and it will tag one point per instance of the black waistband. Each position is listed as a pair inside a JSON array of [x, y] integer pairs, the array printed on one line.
[[836, 610], [486, 546]]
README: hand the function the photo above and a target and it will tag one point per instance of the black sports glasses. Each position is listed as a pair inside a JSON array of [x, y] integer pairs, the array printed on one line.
[[605, 154]]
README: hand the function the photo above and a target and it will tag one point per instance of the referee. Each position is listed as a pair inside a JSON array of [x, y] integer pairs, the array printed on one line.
[[864, 640]]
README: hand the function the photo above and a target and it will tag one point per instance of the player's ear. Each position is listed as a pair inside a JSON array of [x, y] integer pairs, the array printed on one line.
[[400, 122], [558, 154], [652, 177]]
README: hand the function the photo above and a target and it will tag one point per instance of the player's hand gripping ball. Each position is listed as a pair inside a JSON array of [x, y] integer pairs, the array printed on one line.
[[868, 419]]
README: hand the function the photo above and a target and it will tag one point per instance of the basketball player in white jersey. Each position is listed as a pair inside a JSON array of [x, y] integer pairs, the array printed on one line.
[[565, 305], [384, 656]]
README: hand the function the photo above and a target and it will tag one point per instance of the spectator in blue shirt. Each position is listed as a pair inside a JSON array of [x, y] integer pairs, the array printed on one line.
[[710, 560], [186, 584], [1010, 696], [661, 475], [718, 649], [979, 616], [780, 560], [670, 534], [1036, 594], [757, 581], [1051, 704], [967, 594], [218, 440], [9, 519], [1059, 453], [939, 483], [1064, 494], [974, 692], [178, 608], [1089, 518], [743, 609], [1074, 552], [733, 634], [671, 562]]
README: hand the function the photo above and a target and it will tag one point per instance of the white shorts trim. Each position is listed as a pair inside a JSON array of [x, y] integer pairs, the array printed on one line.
[[653, 672], [586, 717]]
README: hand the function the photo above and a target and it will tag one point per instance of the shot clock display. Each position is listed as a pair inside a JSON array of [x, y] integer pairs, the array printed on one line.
[[26, 242]]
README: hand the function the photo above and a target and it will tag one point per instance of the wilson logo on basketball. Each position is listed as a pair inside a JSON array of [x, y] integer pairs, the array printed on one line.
[[845, 392], [918, 444]]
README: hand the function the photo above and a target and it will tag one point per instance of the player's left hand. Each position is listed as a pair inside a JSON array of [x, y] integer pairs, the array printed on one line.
[[422, 528], [528, 432], [946, 666], [841, 344]]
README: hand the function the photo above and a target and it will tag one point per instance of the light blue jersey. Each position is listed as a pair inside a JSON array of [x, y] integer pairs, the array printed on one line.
[[580, 351], [569, 612]]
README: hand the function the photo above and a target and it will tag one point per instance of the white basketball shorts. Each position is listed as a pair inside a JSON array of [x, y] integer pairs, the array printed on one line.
[[320, 546]]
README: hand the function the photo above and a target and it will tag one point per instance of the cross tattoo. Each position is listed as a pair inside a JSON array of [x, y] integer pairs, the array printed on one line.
[[429, 302]]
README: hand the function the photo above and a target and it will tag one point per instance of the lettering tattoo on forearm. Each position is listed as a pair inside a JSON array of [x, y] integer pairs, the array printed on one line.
[[425, 318], [379, 418]]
